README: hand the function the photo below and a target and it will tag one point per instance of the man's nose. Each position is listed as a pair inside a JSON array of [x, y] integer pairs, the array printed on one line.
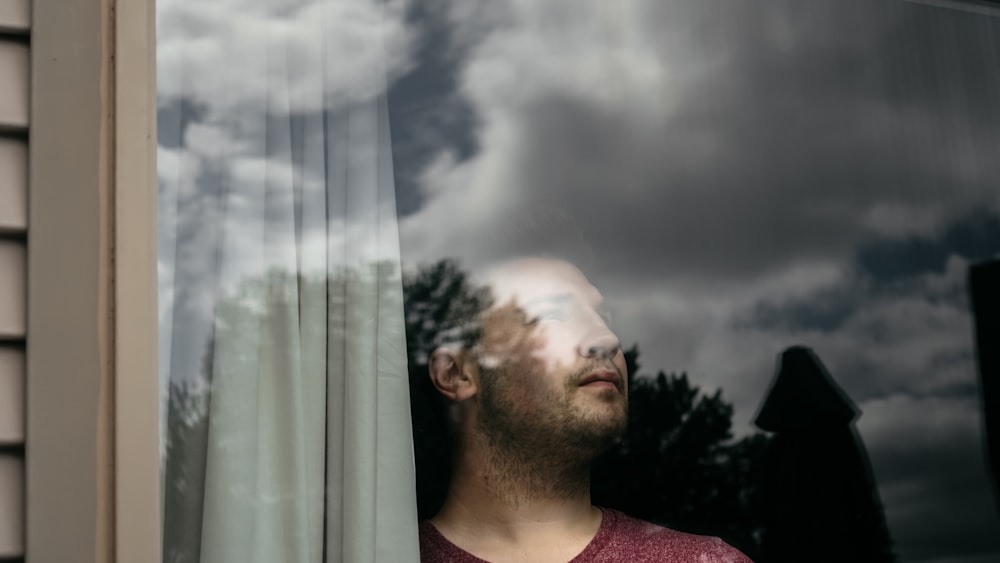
[[599, 344]]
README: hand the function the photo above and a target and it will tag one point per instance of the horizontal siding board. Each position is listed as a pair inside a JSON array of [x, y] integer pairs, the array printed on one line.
[[11, 505], [13, 294], [15, 77], [14, 84], [15, 16], [11, 395], [13, 185]]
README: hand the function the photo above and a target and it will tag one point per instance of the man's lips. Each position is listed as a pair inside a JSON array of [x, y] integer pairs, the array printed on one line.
[[604, 378]]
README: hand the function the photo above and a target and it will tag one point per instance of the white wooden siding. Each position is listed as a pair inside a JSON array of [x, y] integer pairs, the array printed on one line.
[[15, 16], [15, 80], [11, 395], [11, 505], [14, 83], [13, 298], [11, 464], [13, 185]]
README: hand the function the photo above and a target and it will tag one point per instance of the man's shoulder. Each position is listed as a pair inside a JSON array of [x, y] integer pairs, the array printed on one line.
[[631, 539]]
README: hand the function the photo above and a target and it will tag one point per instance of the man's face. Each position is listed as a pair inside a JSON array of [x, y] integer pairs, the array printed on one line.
[[550, 367]]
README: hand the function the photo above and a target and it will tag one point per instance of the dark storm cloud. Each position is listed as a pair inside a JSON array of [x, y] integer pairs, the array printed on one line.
[[887, 266], [425, 111], [793, 147], [824, 311], [740, 177], [974, 237], [928, 458], [779, 140], [172, 118], [801, 137]]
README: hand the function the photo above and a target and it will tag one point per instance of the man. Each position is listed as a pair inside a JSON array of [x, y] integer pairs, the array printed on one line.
[[531, 403]]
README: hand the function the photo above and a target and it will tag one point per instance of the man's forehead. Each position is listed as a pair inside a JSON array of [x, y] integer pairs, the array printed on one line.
[[536, 280]]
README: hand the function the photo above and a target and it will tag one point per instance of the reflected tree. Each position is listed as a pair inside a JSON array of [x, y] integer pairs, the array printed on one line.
[[276, 338], [678, 465], [440, 304], [185, 451]]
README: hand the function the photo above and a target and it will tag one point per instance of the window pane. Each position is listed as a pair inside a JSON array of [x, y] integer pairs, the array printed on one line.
[[779, 204], [736, 179], [285, 431]]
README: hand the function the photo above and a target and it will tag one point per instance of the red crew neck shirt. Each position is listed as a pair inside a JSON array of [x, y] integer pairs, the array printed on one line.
[[620, 539]]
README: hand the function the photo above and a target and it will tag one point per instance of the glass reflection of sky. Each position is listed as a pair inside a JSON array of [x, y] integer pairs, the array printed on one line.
[[735, 177]]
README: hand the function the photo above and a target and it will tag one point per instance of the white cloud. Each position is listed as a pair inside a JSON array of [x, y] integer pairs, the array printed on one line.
[[232, 55]]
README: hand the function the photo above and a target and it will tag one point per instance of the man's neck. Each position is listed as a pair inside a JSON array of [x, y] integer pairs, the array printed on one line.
[[503, 504]]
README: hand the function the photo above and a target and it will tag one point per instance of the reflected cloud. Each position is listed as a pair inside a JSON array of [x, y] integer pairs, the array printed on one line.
[[736, 178], [765, 140], [739, 178], [228, 56]]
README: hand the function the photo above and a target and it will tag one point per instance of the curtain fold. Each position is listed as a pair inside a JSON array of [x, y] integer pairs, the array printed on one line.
[[287, 428], [375, 425]]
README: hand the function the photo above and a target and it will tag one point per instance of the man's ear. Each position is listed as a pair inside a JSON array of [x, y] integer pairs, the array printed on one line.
[[452, 374]]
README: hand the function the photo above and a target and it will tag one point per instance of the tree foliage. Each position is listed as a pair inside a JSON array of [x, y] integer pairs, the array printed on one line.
[[678, 464], [440, 303]]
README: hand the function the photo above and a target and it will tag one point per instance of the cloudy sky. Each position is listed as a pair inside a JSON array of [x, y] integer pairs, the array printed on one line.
[[735, 177]]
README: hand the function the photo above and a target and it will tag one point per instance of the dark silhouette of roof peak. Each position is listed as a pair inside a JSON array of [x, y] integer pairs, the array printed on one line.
[[804, 395]]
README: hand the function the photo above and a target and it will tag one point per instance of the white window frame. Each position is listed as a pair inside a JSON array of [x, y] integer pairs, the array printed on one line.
[[92, 448]]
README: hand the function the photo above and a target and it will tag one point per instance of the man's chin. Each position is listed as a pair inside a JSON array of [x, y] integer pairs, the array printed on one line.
[[599, 431], [609, 403]]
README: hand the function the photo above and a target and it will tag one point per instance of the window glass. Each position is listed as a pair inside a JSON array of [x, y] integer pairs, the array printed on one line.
[[286, 434], [779, 203], [738, 179]]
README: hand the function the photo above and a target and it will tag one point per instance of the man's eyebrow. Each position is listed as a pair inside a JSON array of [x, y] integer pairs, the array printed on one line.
[[559, 299]]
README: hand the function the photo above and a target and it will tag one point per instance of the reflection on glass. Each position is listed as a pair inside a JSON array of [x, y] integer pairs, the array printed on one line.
[[511, 415], [285, 433], [736, 178]]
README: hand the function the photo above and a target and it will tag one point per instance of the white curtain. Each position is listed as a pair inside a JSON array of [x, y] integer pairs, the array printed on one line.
[[286, 425]]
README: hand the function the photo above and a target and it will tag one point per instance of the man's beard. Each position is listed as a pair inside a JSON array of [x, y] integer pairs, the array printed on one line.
[[546, 451]]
